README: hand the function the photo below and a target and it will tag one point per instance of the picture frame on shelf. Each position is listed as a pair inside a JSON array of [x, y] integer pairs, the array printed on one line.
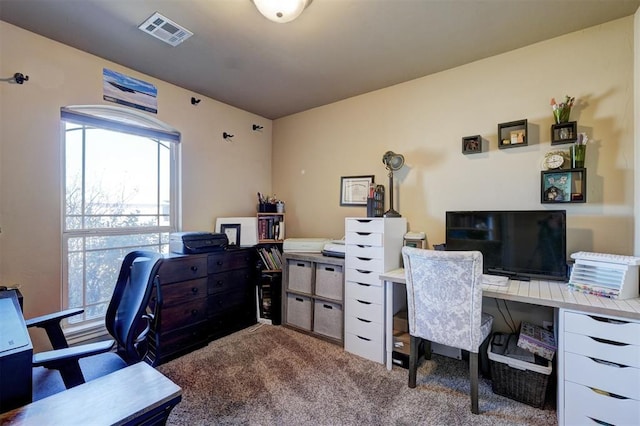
[[472, 144], [564, 133], [354, 190], [232, 231], [512, 134], [563, 186]]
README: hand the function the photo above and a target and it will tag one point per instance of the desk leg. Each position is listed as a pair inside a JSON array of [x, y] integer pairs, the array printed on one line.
[[388, 323]]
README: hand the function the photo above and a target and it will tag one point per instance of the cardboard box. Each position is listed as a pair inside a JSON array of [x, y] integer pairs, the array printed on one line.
[[401, 322], [537, 340]]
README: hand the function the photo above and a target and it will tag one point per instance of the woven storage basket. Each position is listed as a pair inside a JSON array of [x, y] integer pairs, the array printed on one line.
[[519, 380]]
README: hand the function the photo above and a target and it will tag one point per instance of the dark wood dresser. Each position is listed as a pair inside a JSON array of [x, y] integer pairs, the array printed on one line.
[[203, 297]]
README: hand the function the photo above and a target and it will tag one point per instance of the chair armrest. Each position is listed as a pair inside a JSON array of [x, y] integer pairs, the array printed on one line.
[[60, 356], [51, 324], [44, 320]]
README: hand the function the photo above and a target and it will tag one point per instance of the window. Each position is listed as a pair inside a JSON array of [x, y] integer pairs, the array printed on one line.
[[120, 194]]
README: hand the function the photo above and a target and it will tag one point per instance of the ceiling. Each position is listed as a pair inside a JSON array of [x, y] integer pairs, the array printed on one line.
[[336, 49]]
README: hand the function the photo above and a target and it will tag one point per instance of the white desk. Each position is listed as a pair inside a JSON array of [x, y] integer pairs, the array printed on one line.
[[543, 293]]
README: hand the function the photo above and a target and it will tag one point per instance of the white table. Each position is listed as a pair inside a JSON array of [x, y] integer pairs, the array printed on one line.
[[554, 294]]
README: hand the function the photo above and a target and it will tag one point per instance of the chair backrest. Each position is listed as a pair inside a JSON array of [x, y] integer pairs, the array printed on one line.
[[124, 319], [444, 295]]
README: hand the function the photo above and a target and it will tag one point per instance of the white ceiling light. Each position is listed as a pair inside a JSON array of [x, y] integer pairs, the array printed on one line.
[[281, 11]]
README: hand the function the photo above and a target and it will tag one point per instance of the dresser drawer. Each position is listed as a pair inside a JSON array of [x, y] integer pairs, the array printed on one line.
[[363, 291], [238, 279], [182, 269], [178, 340], [228, 260], [364, 238], [364, 225], [365, 310], [184, 314], [364, 347], [366, 264], [623, 381], [182, 292], [584, 406], [364, 251], [362, 276], [603, 349], [602, 327], [364, 327], [222, 302]]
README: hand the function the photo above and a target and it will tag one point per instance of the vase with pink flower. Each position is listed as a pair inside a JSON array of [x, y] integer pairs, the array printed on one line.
[[562, 110]]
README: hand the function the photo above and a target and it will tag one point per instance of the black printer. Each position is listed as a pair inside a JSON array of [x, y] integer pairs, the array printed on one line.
[[197, 242]]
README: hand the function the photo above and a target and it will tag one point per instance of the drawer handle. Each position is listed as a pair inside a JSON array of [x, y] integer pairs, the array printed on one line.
[[363, 233], [363, 272], [608, 342], [363, 338], [364, 220], [194, 290], [329, 269], [608, 320], [609, 394], [365, 259], [327, 306], [299, 299], [363, 320], [607, 363], [363, 302], [301, 265], [194, 269], [364, 284]]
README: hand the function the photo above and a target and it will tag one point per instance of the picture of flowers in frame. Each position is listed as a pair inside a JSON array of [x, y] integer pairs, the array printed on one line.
[[472, 144], [354, 190]]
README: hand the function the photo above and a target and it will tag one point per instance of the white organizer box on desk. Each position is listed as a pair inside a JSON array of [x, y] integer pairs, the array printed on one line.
[[373, 246]]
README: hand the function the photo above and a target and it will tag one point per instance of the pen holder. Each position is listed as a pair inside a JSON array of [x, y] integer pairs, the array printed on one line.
[[267, 208], [577, 156]]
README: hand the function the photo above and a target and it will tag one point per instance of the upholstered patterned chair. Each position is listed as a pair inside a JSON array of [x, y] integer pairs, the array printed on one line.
[[444, 296]]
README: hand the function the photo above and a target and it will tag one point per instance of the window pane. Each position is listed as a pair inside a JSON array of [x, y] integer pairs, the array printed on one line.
[[117, 199]]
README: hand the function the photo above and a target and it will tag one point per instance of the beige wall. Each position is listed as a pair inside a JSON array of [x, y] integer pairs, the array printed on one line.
[[425, 119], [219, 178]]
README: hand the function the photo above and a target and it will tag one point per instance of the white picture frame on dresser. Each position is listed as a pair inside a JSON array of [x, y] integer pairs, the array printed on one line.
[[373, 246]]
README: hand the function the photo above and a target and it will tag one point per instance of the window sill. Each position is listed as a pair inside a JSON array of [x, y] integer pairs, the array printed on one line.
[[84, 333]]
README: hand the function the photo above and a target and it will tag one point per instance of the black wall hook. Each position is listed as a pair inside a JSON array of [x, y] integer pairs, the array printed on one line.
[[257, 127], [226, 136], [195, 101], [20, 78]]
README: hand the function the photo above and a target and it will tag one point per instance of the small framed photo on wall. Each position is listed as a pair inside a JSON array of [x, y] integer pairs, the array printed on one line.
[[472, 144]]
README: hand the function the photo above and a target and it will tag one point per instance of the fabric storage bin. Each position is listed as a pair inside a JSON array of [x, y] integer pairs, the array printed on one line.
[[300, 274], [328, 319], [329, 281], [299, 311], [519, 380]]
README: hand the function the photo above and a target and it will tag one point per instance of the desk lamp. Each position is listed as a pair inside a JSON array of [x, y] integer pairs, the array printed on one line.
[[393, 162]]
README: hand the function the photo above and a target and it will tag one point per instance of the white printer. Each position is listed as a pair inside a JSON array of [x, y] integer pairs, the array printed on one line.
[[304, 245]]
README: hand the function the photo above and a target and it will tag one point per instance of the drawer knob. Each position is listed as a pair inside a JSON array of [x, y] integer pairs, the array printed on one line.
[[194, 269], [194, 290], [194, 312], [219, 283], [219, 263]]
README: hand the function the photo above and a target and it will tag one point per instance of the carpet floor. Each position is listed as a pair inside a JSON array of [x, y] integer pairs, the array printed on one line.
[[271, 375]]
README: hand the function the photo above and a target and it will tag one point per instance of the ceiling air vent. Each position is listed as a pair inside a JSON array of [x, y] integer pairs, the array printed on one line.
[[165, 29]]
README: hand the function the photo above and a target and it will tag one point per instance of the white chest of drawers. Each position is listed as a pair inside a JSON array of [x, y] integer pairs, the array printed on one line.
[[599, 370], [372, 247]]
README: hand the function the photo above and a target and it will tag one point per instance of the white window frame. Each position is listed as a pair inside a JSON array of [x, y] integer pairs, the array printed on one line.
[[127, 121]]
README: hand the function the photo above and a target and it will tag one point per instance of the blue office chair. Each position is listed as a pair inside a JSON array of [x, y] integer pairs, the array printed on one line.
[[126, 320], [444, 296]]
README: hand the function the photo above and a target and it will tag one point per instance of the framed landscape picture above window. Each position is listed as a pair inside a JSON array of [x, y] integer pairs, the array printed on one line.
[[354, 190]]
